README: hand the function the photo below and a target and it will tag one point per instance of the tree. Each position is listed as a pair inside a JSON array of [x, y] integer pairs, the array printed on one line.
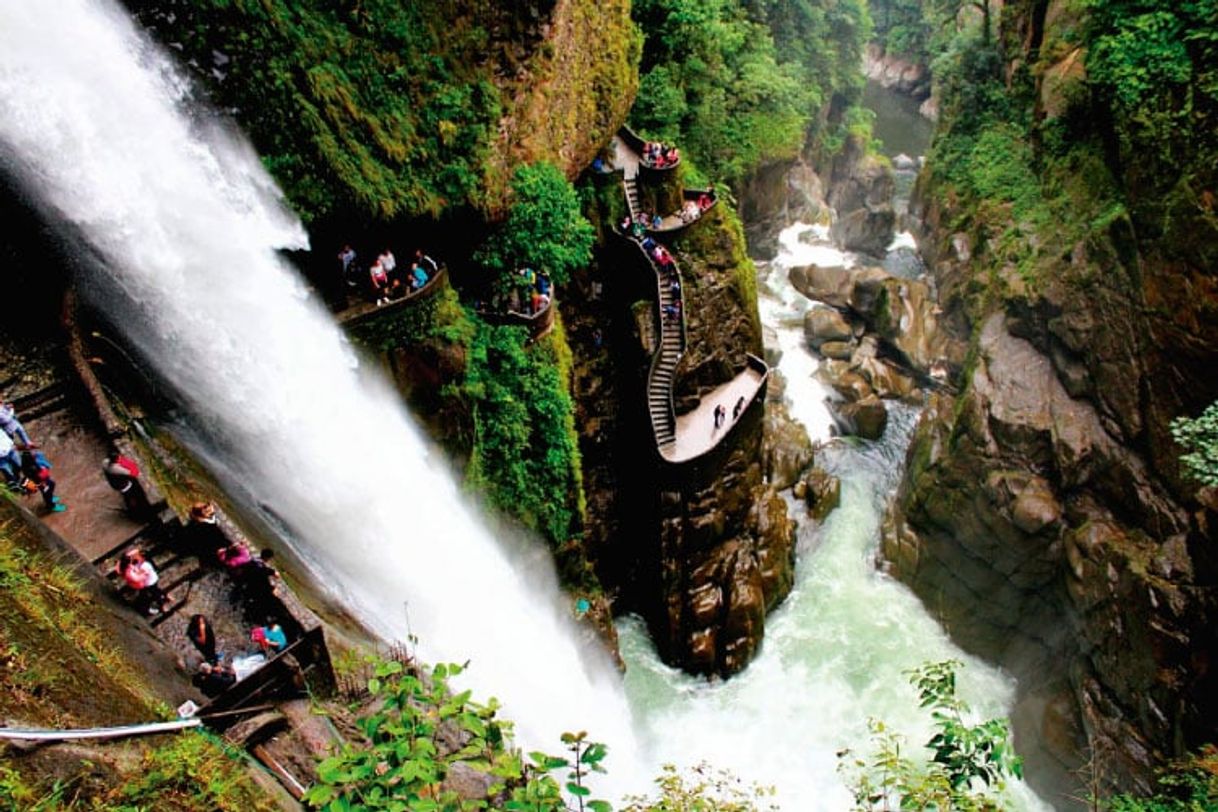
[[545, 228], [1199, 438], [963, 756]]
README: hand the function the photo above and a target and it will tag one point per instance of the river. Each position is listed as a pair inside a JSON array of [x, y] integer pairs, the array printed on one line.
[[836, 652]]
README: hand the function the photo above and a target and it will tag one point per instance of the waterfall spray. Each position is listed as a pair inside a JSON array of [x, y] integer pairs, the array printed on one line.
[[98, 125]]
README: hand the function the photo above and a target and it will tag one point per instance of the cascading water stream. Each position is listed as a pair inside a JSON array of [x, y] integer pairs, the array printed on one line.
[[99, 128]]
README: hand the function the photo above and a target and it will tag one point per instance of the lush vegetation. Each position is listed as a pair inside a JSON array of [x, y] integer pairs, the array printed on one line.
[[525, 460], [420, 731], [378, 107], [545, 227], [901, 28], [1189, 785], [738, 84], [967, 761], [1199, 438]]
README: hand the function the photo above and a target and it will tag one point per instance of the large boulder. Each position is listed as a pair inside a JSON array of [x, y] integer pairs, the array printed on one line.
[[866, 418], [867, 230], [830, 284], [787, 449], [822, 493], [823, 324]]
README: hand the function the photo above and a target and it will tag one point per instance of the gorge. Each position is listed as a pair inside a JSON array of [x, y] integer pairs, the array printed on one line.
[[1014, 391]]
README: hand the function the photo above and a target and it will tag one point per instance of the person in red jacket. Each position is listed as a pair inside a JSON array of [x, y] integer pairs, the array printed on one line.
[[123, 474]]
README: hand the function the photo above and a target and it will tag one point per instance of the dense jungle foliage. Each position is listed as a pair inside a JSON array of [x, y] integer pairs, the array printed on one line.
[[379, 107], [739, 84], [1129, 138]]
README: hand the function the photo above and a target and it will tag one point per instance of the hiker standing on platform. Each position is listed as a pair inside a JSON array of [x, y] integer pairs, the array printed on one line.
[[10, 460], [122, 474], [139, 574], [11, 425], [37, 470]]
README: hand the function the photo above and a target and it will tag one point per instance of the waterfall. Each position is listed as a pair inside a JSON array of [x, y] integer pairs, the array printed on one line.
[[181, 225]]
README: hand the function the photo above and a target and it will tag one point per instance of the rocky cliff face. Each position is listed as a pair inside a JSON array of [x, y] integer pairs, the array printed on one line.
[[851, 189], [1042, 513]]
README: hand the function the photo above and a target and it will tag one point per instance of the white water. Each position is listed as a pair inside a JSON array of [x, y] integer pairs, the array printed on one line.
[[836, 651], [98, 125]]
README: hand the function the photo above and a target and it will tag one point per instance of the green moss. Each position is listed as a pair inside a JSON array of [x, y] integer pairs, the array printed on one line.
[[440, 317]]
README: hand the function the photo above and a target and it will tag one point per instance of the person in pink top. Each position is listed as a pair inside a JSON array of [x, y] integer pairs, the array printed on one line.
[[138, 573]]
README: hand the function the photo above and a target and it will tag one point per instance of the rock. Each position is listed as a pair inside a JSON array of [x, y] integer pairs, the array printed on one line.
[[867, 230], [830, 284], [852, 386], [775, 197], [822, 492], [823, 324], [866, 418], [839, 350], [787, 449]]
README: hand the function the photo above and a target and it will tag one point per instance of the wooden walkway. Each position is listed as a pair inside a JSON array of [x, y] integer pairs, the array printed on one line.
[[684, 438]]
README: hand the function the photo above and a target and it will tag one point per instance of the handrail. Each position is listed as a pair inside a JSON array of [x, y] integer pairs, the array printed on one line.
[[365, 311], [638, 144], [538, 323], [687, 194], [659, 353], [47, 735]]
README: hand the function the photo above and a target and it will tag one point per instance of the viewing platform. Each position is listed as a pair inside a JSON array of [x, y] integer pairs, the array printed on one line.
[[365, 311], [539, 323]]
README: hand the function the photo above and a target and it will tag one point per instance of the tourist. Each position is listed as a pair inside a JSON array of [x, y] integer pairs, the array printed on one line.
[[122, 474], [379, 279], [427, 263], [200, 632], [418, 276], [213, 679], [388, 261], [706, 199], [260, 583], [10, 460], [346, 257], [543, 284], [671, 312], [270, 638], [720, 414], [139, 574], [235, 556], [37, 470], [626, 223], [657, 222], [638, 229], [203, 536], [738, 408], [648, 244], [675, 286], [11, 425], [690, 211]]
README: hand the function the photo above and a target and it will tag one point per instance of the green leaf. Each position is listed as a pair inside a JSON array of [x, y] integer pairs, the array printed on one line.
[[576, 789]]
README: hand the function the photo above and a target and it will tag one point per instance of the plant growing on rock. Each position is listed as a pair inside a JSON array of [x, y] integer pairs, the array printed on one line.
[[1199, 437], [421, 733], [545, 227], [967, 760]]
